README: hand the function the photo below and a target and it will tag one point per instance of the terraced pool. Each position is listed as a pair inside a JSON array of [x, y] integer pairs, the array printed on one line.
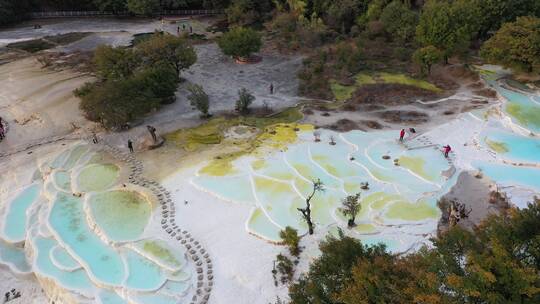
[[277, 183], [72, 226]]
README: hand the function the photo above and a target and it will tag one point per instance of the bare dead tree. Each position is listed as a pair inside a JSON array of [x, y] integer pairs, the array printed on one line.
[[457, 212], [318, 186]]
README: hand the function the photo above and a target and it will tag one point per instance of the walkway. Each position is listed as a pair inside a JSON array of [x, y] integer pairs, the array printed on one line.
[[199, 256]]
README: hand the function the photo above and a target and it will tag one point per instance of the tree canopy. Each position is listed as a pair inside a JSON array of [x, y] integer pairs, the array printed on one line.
[[134, 81], [13, 10], [516, 45], [426, 57], [169, 49], [497, 263], [240, 42], [399, 21], [444, 25]]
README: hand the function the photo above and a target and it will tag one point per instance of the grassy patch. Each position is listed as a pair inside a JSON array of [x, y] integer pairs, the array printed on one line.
[[362, 79], [211, 132], [48, 42], [496, 146], [406, 80], [275, 131], [341, 92], [344, 92], [276, 136], [67, 38], [31, 46]]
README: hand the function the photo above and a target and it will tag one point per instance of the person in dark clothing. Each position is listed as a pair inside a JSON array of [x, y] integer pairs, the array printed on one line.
[[130, 146], [412, 130], [190, 29], [152, 131], [271, 88], [94, 138]]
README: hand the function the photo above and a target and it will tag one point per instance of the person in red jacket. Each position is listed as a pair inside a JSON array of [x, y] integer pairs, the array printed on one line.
[[447, 150], [401, 134]]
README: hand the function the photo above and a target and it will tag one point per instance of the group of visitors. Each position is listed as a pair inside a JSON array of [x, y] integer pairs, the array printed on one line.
[[184, 29], [14, 294], [446, 149]]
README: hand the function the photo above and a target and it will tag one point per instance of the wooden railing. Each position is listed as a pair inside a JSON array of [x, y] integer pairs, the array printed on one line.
[[63, 14]]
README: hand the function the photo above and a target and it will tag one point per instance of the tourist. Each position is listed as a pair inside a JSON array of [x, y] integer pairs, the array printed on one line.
[[401, 134], [447, 150], [271, 88], [152, 131], [190, 29], [130, 146], [412, 130], [94, 138], [183, 26], [178, 30]]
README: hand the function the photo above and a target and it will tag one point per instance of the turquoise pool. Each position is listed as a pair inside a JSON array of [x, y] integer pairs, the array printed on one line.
[[122, 215], [72, 227], [14, 227]]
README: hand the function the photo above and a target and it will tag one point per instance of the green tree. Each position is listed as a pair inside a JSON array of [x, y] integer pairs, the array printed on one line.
[[350, 207], [245, 99], [143, 7], [169, 49], [496, 12], [130, 85], [115, 63], [114, 104], [248, 12], [495, 263], [290, 238], [515, 45], [445, 25], [13, 10], [372, 13], [285, 267], [387, 278], [240, 42], [399, 21], [161, 80], [426, 57], [199, 99], [332, 271]]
